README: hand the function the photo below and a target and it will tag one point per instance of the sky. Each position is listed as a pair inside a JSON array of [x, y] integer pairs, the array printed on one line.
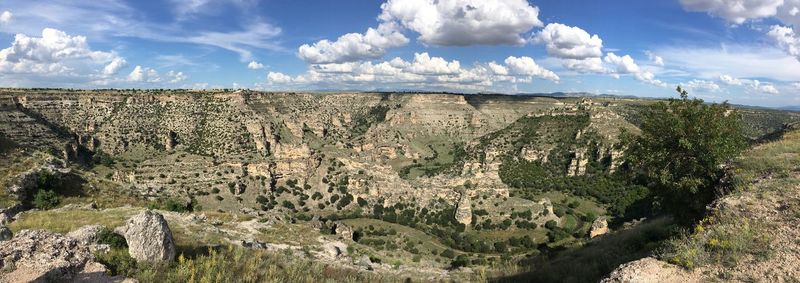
[[742, 51]]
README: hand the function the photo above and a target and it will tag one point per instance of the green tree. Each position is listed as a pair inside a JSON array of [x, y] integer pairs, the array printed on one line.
[[45, 200], [681, 151]]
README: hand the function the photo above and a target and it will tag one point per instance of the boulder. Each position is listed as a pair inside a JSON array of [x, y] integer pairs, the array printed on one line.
[[648, 270], [599, 227], [343, 231], [364, 262], [86, 234], [5, 233], [149, 238], [38, 255]]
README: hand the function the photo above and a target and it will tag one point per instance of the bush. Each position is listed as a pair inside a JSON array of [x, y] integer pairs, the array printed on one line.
[[680, 149], [45, 200], [448, 253], [551, 224], [118, 262], [459, 261], [113, 240]]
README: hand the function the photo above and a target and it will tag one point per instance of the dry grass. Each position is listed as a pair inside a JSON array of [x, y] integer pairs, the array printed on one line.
[[68, 220], [233, 264]]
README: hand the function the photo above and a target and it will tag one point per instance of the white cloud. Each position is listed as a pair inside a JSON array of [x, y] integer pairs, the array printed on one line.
[[425, 65], [786, 39], [55, 53], [588, 65], [353, 46], [253, 65], [113, 67], [626, 65], [526, 66], [6, 17], [789, 13], [735, 11], [140, 74], [737, 61], [622, 65], [702, 85], [655, 59], [730, 80], [769, 89], [796, 85], [425, 71], [176, 77], [758, 86], [464, 22], [278, 78], [111, 19], [567, 42]]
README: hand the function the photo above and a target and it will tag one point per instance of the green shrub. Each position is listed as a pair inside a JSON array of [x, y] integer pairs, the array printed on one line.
[[113, 240], [680, 149], [118, 262], [45, 200]]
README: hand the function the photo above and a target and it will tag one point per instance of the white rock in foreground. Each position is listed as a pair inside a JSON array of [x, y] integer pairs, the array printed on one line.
[[149, 238]]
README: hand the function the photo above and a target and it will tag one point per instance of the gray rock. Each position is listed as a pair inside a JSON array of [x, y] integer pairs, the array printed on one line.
[[365, 262], [41, 255], [86, 234], [149, 237], [5, 233]]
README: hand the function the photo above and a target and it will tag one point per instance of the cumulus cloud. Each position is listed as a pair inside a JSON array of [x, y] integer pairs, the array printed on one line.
[[353, 46], [253, 65], [758, 86], [789, 13], [728, 80], [655, 59], [114, 66], [626, 65], [425, 65], [176, 77], [735, 11], [796, 85], [278, 78], [55, 53], [702, 85], [526, 66], [438, 22], [588, 65], [568, 42], [140, 74], [6, 17], [786, 39], [423, 71], [464, 22]]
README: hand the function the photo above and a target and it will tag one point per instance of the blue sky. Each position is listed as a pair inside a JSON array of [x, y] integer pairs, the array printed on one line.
[[744, 51]]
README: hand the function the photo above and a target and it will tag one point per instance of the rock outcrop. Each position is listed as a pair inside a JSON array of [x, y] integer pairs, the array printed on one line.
[[599, 227], [86, 234], [464, 210], [38, 255], [149, 237], [648, 270]]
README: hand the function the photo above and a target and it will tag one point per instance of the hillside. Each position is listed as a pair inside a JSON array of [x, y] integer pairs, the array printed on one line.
[[427, 186], [749, 235]]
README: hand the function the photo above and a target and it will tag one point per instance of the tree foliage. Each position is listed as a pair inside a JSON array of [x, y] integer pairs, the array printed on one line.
[[682, 149]]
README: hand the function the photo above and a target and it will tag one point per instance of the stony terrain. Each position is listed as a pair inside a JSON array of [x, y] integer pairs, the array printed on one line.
[[405, 184]]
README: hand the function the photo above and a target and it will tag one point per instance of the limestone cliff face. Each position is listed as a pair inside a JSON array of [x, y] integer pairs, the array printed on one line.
[[464, 210], [248, 144]]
